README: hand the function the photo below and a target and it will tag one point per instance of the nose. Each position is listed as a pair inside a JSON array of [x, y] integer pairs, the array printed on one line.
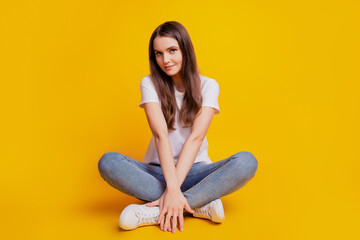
[[166, 58]]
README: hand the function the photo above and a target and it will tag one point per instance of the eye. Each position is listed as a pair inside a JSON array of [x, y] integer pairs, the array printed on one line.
[[173, 49], [157, 53]]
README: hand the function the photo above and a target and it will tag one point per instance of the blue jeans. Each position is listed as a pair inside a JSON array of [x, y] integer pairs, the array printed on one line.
[[203, 184]]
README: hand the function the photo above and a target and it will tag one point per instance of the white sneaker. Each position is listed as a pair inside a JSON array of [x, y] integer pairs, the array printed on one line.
[[135, 215], [213, 211]]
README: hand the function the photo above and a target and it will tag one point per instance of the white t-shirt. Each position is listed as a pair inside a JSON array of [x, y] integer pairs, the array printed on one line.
[[210, 93]]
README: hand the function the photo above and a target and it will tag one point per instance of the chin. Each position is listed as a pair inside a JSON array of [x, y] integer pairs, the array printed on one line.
[[170, 74]]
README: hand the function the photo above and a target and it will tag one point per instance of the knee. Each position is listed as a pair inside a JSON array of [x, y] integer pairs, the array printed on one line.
[[106, 162], [246, 161]]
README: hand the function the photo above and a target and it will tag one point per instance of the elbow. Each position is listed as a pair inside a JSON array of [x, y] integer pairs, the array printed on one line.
[[197, 138], [160, 133], [160, 136]]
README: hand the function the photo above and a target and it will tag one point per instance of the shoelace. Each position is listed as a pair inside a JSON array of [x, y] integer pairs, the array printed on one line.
[[202, 211], [147, 217]]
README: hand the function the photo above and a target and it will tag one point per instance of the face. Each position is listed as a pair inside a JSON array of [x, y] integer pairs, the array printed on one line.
[[168, 55]]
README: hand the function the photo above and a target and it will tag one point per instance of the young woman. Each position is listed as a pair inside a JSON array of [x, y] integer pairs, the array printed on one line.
[[176, 173]]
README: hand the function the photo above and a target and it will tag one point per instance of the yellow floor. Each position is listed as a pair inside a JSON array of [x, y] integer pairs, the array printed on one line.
[[280, 202]]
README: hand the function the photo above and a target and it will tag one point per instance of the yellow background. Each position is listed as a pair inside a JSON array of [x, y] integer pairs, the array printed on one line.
[[289, 93]]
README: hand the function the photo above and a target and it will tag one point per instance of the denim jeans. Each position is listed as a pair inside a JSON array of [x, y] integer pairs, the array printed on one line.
[[204, 183]]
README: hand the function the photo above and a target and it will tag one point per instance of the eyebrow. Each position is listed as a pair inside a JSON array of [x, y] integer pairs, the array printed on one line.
[[167, 48]]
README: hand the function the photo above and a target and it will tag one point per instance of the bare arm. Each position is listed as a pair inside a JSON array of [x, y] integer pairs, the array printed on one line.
[[172, 201], [159, 130], [193, 143]]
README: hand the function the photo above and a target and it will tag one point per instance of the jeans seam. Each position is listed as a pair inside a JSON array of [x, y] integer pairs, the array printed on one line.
[[138, 166], [195, 174], [202, 181]]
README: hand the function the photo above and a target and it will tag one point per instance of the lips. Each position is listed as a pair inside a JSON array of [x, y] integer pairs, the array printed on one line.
[[169, 67]]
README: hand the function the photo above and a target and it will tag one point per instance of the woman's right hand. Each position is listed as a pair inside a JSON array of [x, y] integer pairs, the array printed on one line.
[[171, 204]]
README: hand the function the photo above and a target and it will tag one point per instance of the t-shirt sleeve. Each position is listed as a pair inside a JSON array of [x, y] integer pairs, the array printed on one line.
[[210, 93], [148, 92]]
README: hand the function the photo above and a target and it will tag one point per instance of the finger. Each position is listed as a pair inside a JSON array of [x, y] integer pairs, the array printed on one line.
[[162, 220], [161, 209], [167, 221], [181, 222], [188, 208], [174, 223], [159, 219], [152, 204]]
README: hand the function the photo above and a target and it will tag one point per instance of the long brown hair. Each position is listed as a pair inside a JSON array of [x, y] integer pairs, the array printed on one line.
[[189, 73]]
